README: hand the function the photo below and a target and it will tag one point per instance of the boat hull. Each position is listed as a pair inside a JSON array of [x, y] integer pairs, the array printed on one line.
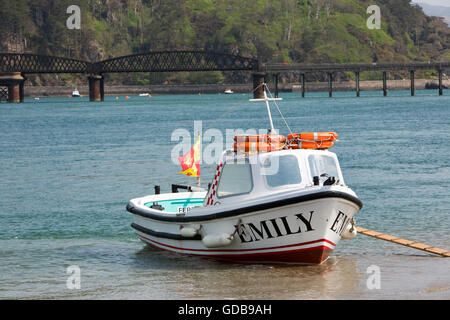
[[301, 230], [314, 255]]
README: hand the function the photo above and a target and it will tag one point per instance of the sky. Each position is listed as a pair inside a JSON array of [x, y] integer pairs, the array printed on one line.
[[445, 3]]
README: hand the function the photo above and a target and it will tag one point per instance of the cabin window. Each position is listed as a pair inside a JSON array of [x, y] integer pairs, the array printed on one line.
[[285, 172], [236, 178], [323, 166]]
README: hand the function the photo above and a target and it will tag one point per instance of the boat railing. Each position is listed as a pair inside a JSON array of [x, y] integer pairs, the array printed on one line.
[[175, 188]]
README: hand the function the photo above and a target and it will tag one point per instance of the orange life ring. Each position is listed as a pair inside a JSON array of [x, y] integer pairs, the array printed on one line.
[[313, 136], [258, 146], [271, 138], [311, 140], [317, 144], [312, 145]]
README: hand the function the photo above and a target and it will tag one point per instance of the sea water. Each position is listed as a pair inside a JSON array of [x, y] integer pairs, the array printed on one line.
[[68, 168]]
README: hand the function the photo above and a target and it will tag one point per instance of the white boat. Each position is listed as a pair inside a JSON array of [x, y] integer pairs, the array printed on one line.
[[75, 93], [285, 204], [144, 94], [228, 91]]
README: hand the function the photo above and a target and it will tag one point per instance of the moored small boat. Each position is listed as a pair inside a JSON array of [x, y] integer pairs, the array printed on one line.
[[272, 199]]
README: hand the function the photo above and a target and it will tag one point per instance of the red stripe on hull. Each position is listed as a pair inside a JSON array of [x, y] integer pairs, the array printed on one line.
[[314, 255], [236, 250]]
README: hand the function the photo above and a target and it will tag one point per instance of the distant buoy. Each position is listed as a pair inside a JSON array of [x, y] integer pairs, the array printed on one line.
[[126, 97], [149, 95]]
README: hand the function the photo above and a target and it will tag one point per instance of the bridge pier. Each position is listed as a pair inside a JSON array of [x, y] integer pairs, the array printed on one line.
[[357, 84], [440, 83], [276, 75], [413, 88], [258, 88], [96, 88], [303, 85], [384, 83], [330, 84], [15, 83]]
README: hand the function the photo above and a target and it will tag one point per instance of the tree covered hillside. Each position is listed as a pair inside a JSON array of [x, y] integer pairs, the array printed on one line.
[[310, 31]]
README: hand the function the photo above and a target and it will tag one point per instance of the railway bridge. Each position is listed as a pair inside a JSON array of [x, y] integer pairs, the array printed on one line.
[[15, 66]]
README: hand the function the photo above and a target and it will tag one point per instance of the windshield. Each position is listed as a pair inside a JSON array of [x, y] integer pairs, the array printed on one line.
[[323, 166], [236, 178], [285, 172]]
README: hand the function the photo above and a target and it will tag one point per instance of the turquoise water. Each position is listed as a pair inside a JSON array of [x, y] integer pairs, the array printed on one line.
[[68, 168]]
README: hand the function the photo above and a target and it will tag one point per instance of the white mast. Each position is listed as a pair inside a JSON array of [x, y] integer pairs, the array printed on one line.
[[272, 129], [266, 99]]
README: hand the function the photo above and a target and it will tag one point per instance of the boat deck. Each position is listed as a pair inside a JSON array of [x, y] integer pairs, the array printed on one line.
[[177, 205]]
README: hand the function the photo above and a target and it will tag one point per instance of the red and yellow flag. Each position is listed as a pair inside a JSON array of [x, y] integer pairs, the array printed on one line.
[[190, 162]]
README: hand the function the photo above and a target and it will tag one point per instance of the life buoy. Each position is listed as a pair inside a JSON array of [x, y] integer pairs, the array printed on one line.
[[311, 145], [271, 138], [317, 144], [257, 146], [313, 136], [276, 142], [311, 140]]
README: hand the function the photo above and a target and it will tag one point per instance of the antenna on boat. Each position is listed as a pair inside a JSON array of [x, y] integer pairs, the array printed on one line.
[[267, 99]]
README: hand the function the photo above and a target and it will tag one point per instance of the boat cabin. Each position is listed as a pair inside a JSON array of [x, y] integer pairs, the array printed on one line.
[[261, 167], [251, 177], [262, 174]]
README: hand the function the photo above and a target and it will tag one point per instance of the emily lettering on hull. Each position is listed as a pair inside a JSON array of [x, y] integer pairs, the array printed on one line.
[[274, 228]]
